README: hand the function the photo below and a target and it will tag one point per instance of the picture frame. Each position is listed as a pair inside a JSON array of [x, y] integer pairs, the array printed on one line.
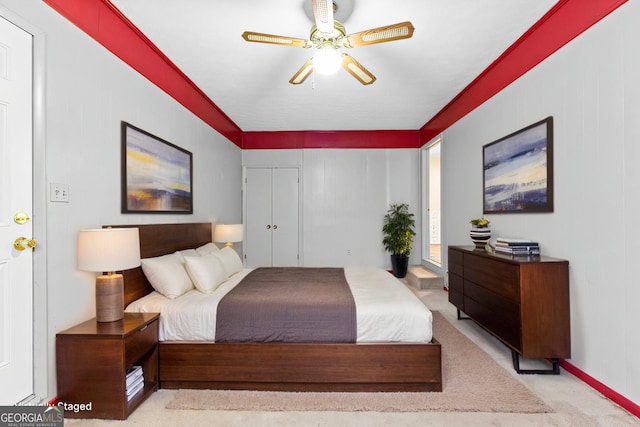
[[157, 176], [518, 171]]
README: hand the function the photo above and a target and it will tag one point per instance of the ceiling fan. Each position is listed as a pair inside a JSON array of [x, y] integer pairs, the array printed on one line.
[[327, 36]]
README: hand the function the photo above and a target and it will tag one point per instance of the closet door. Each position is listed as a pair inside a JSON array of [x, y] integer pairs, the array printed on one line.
[[271, 217], [257, 241], [285, 205]]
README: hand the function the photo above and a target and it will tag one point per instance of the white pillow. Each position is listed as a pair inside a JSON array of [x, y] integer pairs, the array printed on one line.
[[167, 275], [209, 248], [206, 272], [230, 260], [184, 253]]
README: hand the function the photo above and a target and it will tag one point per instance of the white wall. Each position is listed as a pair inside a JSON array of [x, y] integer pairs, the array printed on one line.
[[345, 195], [88, 91], [592, 89]]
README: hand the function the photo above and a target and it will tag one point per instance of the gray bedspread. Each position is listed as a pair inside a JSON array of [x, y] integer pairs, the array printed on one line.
[[288, 304]]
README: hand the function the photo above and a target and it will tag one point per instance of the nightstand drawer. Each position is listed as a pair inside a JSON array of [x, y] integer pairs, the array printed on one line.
[[141, 342]]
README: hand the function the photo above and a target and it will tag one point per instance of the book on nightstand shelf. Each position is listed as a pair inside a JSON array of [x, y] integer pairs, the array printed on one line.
[[517, 246], [135, 388], [134, 381]]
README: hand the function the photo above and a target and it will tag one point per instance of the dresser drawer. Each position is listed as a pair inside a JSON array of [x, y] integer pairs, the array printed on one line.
[[455, 262], [456, 282], [504, 308], [504, 325], [497, 276], [457, 299], [456, 290], [495, 312], [140, 342]]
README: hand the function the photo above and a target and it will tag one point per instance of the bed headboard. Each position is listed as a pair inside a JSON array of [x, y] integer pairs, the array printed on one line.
[[156, 240]]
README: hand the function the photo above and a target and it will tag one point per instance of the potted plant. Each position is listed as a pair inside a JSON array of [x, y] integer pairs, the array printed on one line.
[[398, 237]]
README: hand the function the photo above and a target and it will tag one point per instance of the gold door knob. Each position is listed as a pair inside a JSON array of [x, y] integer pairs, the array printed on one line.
[[275, 227], [268, 227], [22, 243]]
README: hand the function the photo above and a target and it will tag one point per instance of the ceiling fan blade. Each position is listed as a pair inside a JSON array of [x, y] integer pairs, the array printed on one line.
[[356, 70], [250, 36], [302, 73], [323, 12], [402, 30]]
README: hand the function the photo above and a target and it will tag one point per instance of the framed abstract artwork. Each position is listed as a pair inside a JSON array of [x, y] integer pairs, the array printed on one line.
[[157, 176], [518, 171]]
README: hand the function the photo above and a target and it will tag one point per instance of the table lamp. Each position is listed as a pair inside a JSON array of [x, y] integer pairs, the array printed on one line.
[[227, 234], [108, 250]]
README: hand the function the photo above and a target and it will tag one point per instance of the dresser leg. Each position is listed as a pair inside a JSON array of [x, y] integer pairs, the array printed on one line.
[[555, 366], [462, 318]]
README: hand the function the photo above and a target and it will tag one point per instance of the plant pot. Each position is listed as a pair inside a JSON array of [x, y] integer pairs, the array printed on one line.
[[399, 265], [480, 236]]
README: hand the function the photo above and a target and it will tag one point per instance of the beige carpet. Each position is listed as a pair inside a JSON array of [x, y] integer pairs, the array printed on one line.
[[472, 382]]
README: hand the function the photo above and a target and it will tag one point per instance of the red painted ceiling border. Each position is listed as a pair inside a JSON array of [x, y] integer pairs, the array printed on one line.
[[101, 20], [331, 139], [565, 21]]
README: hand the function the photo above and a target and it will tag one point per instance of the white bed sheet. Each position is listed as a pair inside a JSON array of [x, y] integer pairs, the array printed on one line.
[[386, 310]]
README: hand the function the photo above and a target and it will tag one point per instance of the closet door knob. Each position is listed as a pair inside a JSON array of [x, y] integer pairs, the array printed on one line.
[[268, 227], [275, 227]]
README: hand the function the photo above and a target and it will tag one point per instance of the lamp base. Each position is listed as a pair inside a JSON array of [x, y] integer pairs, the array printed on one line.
[[109, 298]]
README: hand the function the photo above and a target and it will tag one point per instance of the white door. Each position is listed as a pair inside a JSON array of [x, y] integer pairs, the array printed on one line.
[[431, 203], [271, 217], [257, 239], [285, 217], [16, 273]]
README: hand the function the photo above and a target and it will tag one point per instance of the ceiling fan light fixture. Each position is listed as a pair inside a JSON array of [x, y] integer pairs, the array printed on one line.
[[327, 61], [329, 36]]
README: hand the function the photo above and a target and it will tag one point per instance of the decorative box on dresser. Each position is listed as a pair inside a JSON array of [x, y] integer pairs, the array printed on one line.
[[521, 300], [92, 359]]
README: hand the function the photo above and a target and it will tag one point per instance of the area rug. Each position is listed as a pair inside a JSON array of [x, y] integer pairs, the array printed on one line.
[[472, 382]]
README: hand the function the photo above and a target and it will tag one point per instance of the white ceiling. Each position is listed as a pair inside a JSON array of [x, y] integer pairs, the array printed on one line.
[[453, 42]]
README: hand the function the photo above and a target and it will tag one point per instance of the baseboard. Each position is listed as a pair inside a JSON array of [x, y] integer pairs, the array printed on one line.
[[609, 393]]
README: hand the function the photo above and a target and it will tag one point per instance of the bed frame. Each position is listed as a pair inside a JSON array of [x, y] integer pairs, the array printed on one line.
[[277, 366]]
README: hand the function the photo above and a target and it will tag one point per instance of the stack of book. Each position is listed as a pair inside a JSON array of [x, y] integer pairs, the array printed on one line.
[[135, 381], [517, 246]]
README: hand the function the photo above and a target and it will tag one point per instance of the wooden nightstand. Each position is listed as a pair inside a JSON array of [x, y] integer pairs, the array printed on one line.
[[92, 359]]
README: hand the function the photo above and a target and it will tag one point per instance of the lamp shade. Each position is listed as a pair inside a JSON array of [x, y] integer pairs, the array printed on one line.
[[108, 249], [227, 233]]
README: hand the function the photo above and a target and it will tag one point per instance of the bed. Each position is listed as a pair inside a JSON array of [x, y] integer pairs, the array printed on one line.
[[280, 366]]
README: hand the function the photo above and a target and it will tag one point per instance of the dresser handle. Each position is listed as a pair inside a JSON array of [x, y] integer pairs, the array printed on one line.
[[143, 328]]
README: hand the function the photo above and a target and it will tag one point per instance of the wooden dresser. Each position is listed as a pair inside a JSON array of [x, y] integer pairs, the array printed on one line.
[[522, 300]]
